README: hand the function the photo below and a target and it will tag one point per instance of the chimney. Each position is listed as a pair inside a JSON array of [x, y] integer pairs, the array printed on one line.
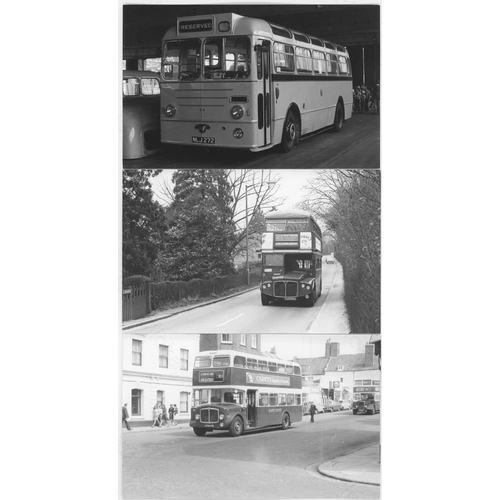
[[328, 348], [273, 350], [332, 349], [369, 356]]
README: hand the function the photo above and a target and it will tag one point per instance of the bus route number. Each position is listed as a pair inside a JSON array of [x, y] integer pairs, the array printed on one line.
[[204, 140]]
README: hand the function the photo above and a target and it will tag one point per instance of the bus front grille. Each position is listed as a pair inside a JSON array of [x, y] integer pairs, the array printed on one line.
[[209, 416], [286, 289]]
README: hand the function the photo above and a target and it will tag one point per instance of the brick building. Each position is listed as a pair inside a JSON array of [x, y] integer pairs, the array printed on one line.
[[249, 343]]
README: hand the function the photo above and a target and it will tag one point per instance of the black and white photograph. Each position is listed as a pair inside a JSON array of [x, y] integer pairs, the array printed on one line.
[[251, 416], [259, 86]]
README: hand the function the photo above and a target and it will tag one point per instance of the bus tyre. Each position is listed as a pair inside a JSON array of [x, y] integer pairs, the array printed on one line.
[[236, 427], [320, 287], [291, 132], [354, 412], [265, 299], [285, 421], [199, 432], [339, 117]]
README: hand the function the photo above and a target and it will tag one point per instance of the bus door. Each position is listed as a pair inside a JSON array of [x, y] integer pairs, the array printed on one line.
[[251, 405], [264, 101]]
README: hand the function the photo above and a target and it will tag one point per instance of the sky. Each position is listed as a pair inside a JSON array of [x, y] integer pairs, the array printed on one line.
[[311, 346], [289, 185]]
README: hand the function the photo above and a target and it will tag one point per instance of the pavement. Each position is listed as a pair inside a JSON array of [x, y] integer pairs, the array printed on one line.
[[361, 466]]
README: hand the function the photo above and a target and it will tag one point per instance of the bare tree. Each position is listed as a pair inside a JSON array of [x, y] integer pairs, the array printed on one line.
[[254, 193]]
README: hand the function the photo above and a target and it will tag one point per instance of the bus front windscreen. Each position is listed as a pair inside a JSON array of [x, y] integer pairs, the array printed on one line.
[[273, 260]]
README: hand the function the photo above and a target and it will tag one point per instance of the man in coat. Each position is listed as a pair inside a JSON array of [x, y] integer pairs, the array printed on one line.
[[313, 411], [125, 416]]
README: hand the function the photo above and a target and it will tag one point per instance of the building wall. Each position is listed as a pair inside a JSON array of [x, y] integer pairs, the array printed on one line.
[[147, 378], [233, 341]]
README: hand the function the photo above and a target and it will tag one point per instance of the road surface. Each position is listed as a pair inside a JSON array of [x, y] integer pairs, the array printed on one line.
[[245, 314], [174, 463]]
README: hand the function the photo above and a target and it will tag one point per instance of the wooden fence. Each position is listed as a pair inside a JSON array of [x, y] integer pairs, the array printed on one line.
[[136, 301]]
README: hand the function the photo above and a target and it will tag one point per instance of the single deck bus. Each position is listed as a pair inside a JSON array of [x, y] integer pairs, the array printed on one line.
[[239, 82], [235, 391], [291, 258]]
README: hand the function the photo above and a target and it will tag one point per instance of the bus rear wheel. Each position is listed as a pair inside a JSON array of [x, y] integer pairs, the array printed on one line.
[[339, 117], [236, 427], [285, 421], [199, 432], [291, 132], [265, 299]]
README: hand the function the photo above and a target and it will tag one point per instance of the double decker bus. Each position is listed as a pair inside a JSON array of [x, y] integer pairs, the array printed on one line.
[[239, 82], [236, 392], [291, 258]]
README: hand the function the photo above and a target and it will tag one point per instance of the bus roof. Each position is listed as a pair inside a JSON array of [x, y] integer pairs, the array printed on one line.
[[263, 355], [289, 214]]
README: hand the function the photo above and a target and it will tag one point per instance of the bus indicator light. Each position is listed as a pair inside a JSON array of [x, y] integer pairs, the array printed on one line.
[[224, 26], [238, 133]]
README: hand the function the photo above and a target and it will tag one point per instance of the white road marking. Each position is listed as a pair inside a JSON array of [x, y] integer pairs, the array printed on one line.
[[229, 320]]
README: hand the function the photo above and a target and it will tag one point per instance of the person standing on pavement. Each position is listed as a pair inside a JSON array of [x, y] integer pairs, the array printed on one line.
[[313, 410], [171, 413], [175, 413], [125, 416], [156, 415], [163, 413]]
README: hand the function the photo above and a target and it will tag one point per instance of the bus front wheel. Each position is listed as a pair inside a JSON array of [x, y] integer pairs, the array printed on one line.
[[265, 299], [312, 298], [291, 132], [339, 117], [199, 432], [236, 427]]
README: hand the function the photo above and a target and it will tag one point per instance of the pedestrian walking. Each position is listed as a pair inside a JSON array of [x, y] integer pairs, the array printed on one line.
[[313, 410], [171, 413], [156, 415], [176, 410], [125, 416]]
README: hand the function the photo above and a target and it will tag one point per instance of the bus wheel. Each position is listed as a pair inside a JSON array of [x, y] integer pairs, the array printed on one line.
[[310, 301], [285, 421], [236, 427], [199, 432], [291, 132], [320, 287], [339, 117], [265, 299]]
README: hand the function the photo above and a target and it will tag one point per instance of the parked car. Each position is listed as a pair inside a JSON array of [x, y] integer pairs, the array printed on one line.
[[345, 405], [141, 114], [330, 259], [331, 405], [368, 405], [306, 407]]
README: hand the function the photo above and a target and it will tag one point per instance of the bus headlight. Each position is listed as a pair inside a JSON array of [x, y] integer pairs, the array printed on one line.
[[303, 286], [237, 112], [197, 417], [237, 133], [221, 417], [169, 110]]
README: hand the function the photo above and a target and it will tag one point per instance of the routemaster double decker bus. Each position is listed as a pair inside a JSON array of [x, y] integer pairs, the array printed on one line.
[[239, 82], [291, 258], [235, 391]]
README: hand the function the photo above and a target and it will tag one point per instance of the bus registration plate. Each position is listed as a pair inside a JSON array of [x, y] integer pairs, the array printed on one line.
[[290, 298], [204, 140]]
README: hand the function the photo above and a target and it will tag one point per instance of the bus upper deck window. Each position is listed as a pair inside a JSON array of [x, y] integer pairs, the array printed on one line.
[[203, 362], [240, 361], [221, 361]]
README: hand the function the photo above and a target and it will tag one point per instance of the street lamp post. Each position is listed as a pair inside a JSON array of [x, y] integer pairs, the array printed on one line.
[[246, 233]]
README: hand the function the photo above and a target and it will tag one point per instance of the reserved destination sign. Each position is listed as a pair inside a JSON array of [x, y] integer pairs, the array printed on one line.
[[195, 26]]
